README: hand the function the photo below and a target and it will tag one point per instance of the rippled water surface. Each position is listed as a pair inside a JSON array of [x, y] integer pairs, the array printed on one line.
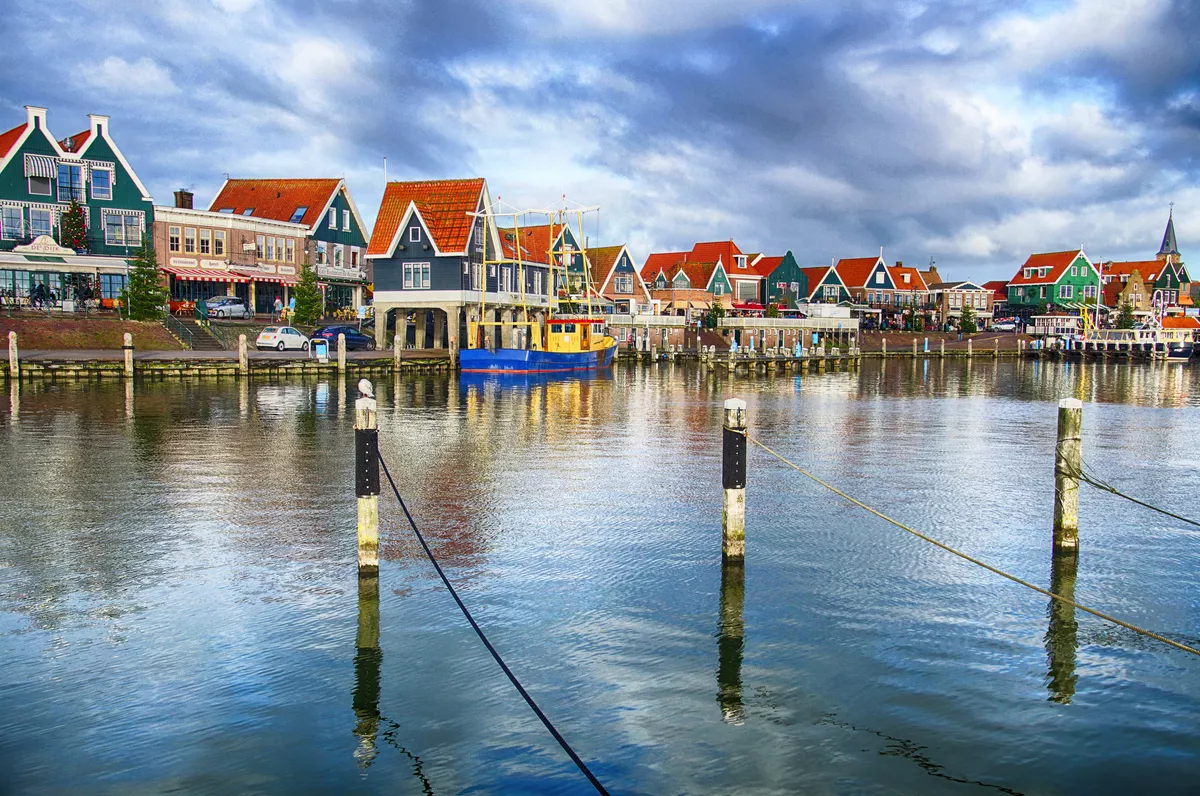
[[180, 611]]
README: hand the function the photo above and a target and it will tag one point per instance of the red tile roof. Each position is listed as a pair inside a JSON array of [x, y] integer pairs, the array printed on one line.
[[723, 250], [1057, 262], [9, 138], [999, 289], [915, 281], [814, 275], [77, 141], [698, 274], [444, 204], [1147, 268], [536, 240], [277, 199], [855, 271], [1112, 293], [1180, 322], [661, 261]]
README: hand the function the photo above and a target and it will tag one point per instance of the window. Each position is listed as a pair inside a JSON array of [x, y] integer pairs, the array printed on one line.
[[112, 285], [537, 283], [173, 238], [249, 211], [345, 221], [114, 230], [260, 244], [333, 218], [416, 276], [719, 289], [1028, 271], [133, 230], [225, 210], [39, 222], [1020, 292], [1066, 291], [101, 184], [321, 257], [740, 259], [830, 291], [11, 223], [506, 280], [189, 240], [879, 277], [354, 258], [298, 215], [70, 182], [623, 284], [206, 241], [1043, 291], [1074, 270], [270, 249], [291, 250], [219, 243], [39, 186], [338, 255], [1089, 291], [414, 235]]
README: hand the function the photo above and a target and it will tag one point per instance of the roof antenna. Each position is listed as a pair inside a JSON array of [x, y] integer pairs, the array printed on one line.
[[385, 171]]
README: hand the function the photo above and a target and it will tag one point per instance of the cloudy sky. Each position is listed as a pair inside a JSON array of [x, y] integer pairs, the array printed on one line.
[[971, 132]]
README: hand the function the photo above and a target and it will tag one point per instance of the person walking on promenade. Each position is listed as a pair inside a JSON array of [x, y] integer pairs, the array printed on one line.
[[278, 308]]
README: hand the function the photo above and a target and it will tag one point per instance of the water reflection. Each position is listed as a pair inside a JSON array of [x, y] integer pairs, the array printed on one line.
[[730, 642], [368, 660], [1061, 634]]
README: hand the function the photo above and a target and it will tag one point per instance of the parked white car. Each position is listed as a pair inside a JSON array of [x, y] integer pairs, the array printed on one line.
[[1004, 326], [281, 338], [228, 307]]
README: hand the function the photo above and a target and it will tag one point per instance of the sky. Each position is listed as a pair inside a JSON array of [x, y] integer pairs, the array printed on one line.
[[973, 133]]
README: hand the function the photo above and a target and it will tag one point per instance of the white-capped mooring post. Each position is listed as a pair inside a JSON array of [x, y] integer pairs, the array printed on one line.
[[128, 348], [14, 361], [733, 481], [1068, 463], [366, 478]]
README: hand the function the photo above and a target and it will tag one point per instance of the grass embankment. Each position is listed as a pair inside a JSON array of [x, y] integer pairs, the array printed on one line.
[[60, 334]]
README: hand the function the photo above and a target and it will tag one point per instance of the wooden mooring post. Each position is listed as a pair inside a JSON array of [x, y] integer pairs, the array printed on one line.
[[14, 360], [243, 357], [733, 481], [1068, 463], [396, 347], [942, 348], [970, 348], [341, 353], [128, 348], [366, 478]]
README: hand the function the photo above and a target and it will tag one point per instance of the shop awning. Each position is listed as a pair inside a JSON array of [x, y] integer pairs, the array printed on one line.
[[747, 305], [202, 274], [255, 275], [699, 305]]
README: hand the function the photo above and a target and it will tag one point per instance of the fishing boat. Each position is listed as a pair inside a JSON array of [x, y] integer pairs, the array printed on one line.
[[562, 343], [1152, 343]]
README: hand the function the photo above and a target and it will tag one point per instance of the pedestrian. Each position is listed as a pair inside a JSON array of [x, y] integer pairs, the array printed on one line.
[[278, 308]]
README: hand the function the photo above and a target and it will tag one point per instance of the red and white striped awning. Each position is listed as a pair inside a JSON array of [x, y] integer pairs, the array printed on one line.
[[202, 274]]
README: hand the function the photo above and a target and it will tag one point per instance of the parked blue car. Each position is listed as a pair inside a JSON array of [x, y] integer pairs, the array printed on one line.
[[355, 340]]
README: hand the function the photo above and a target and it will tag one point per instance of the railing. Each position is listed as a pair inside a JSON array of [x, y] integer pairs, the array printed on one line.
[[182, 333], [228, 339]]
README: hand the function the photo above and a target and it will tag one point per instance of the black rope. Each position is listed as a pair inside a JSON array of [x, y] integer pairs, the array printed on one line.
[[1103, 486], [479, 632]]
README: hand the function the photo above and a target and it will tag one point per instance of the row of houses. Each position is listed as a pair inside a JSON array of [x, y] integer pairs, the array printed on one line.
[[250, 241], [437, 248]]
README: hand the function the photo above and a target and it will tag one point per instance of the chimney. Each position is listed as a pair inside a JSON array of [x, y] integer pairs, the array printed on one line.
[[35, 116], [183, 199], [899, 263], [98, 124]]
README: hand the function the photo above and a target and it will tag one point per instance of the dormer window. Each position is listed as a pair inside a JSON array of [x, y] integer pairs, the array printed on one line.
[[1027, 272], [907, 279], [226, 210], [740, 259], [298, 215], [249, 211]]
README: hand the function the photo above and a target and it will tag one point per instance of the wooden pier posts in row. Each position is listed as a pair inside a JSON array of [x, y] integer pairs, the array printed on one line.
[[1068, 463], [733, 481], [366, 478]]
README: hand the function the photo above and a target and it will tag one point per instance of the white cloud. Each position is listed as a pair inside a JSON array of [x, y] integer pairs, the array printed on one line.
[[118, 77]]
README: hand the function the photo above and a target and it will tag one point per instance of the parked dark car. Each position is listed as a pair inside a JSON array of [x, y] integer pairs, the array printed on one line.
[[355, 340]]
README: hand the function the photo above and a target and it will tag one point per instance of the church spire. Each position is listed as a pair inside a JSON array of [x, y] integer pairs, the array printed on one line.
[[1169, 246]]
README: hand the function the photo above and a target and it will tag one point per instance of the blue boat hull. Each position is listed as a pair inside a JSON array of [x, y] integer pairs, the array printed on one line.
[[518, 360]]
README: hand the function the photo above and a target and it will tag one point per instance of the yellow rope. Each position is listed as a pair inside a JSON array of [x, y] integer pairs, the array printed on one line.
[[976, 561]]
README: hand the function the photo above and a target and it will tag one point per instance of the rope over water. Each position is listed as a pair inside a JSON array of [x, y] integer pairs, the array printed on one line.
[[976, 561], [1093, 480], [496, 655]]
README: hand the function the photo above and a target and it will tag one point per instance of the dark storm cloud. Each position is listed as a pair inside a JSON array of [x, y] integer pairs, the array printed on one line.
[[976, 131]]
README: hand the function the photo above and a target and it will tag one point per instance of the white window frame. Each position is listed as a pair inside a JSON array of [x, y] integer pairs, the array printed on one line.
[[175, 239], [219, 243], [270, 247], [416, 276], [204, 244], [291, 250], [333, 218], [345, 221], [879, 277], [94, 171], [189, 239], [260, 245], [1066, 291], [414, 234]]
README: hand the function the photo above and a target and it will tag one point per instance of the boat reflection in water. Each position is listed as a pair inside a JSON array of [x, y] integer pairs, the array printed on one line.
[[517, 381]]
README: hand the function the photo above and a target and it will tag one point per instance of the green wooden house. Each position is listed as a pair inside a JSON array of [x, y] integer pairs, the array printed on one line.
[[784, 282], [1063, 279]]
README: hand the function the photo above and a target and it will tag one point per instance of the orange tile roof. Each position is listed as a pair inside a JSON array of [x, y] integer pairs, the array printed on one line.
[[1147, 268], [1057, 262], [766, 265], [814, 275], [855, 272], [277, 199], [9, 138], [444, 204], [536, 240], [77, 141], [712, 251], [661, 261], [915, 281], [601, 261], [698, 274], [1180, 322]]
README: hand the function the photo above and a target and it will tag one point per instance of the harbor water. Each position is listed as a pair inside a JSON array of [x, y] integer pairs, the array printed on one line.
[[180, 610]]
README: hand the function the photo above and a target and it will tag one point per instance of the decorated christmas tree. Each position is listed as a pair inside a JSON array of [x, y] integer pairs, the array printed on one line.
[[308, 297], [72, 229]]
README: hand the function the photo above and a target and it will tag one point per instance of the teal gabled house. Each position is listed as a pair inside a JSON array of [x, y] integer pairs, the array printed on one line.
[[784, 282], [39, 177]]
